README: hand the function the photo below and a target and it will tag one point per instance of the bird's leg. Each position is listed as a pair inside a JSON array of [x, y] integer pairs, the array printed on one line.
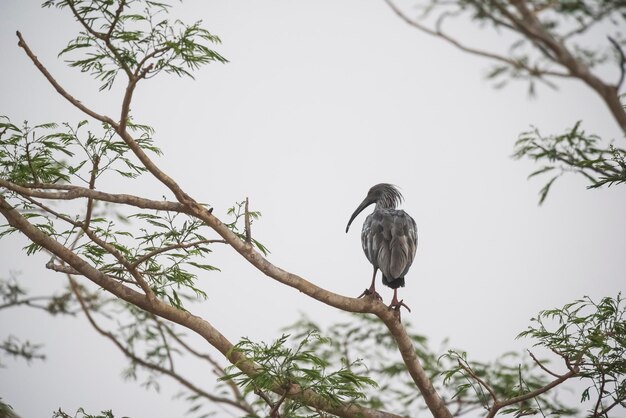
[[372, 290], [395, 304]]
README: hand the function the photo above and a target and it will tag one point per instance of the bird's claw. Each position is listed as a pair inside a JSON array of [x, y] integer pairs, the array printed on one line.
[[396, 305], [370, 292]]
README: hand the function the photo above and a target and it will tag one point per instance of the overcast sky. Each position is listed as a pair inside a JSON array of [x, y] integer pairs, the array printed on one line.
[[320, 101]]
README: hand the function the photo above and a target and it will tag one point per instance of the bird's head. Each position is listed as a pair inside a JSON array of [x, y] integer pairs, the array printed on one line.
[[384, 195]]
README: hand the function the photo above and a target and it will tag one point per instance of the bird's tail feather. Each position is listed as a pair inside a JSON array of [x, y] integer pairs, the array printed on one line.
[[393, 283]]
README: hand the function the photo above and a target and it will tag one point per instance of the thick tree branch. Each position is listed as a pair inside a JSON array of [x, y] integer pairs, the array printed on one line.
[[178, 192], [184, 318], [530, 25], [104, 245]]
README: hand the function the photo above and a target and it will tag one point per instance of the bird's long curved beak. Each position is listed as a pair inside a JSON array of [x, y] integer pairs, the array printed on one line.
[[358, 210]]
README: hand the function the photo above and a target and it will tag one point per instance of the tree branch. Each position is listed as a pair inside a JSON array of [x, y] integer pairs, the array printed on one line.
[[530, 25], [530, 395], [161, 250], [105, 37], [480, 381], [76, 192], [76, 103], [217, 369], [485, 54], [544, 368], [168, 372], [92, 186], [622, 62], [184, 318]]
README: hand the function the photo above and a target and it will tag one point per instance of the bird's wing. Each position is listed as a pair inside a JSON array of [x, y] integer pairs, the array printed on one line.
[[389, 241], [402, 243]]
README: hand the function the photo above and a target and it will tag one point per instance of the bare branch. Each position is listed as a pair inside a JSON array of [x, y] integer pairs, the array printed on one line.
[[77, 103], [544, 368], [31, 302], [76, 192], [218, 370], [622, 62]]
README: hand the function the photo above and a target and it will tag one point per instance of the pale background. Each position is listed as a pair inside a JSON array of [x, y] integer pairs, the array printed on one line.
[[320, 101]]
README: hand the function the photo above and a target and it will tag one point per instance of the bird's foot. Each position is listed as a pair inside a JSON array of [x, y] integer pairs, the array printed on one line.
[[396, 305], [370, 292]]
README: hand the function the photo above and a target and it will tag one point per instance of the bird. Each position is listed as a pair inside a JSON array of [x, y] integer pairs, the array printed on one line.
[[389, 239]]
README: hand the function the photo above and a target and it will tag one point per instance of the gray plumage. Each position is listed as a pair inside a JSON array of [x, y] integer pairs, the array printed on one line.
[[389, 237]]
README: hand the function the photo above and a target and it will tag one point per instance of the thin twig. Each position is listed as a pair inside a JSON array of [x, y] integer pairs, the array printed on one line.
[[622, 62], [529, 395], [165, 342], [106, 38], [545, 369], [139, 360], [440, 34], [218, 370], [161, 250], [28, 302], [92, 186], [480, 381], [247, 230]]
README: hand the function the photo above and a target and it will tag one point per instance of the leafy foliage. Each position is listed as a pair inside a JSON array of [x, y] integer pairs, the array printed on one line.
[[82, 414], [287, 369], [12, 294], [366, 339], [134, 36], [591, 338], [12, 346], [567, 21], [549, 40], [29, 157], [163, 252], [43, 154], [238, 214], [509, 376], [6, 411], [573, 151]]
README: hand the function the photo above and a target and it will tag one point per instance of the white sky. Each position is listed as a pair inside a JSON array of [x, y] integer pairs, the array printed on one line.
[[320, 101]]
